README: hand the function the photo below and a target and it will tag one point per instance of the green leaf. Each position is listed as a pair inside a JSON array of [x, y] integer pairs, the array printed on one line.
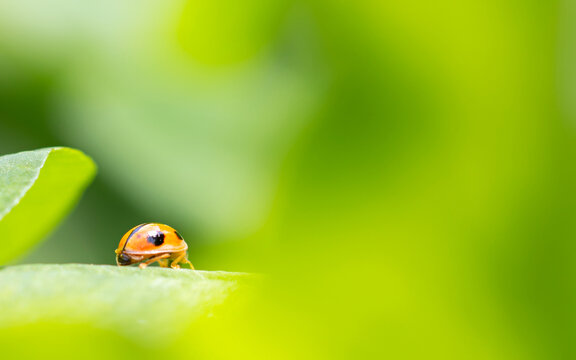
[[37, 189], [148, 306]]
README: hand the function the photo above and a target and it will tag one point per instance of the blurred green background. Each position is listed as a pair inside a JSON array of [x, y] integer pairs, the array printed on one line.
[[402, 170]]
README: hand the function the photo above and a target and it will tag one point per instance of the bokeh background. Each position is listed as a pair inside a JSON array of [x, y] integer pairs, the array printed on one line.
[[403, 170]]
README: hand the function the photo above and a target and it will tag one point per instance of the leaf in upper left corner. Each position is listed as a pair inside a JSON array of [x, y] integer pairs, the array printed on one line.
[[37, 190]]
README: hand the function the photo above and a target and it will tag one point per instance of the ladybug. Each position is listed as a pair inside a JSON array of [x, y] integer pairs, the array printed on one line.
[[150, 242]]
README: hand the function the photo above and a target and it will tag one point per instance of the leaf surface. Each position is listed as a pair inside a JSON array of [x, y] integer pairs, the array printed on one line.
[[149, 305]]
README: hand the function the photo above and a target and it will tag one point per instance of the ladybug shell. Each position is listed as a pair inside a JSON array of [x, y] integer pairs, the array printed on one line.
[[151, 238]]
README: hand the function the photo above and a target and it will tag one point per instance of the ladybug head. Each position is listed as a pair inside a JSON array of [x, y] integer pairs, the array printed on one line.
[[123, 259]]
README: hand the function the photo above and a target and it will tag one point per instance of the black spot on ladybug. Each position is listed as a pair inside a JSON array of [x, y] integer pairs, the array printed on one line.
[[156, 238], [178, 234]]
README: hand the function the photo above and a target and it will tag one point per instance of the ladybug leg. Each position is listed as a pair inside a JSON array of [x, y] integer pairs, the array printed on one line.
[[175, 262], [181, 258], [163, 263], [186, 261], [151, 260]]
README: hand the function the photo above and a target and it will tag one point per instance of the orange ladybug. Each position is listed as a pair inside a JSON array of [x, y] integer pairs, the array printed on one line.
[[150, 242]]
